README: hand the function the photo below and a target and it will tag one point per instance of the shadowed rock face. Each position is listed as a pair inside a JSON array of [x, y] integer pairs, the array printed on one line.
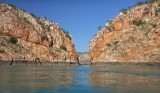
[[130, 37], [37, 37]]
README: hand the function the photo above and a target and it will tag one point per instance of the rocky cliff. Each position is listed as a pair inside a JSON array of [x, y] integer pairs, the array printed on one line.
[[132, 36], [84, 57], [23, 35]]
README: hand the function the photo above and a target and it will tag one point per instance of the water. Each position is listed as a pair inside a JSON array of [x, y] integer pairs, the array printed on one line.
[[79, 79]]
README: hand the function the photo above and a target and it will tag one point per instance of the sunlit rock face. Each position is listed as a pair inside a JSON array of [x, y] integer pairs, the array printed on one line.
[[132, 36], [84, 57], [37, 37]]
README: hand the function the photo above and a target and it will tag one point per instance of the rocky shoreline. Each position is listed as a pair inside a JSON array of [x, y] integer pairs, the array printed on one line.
[[126, 64], [24, 62], [71, 63]]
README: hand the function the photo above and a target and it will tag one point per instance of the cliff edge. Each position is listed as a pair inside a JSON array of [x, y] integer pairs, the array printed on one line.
[[23, 35], [132, 36]]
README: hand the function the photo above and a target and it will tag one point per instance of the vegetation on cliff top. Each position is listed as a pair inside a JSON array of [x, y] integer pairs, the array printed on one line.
[[41, 22], [136, 32], [125, 11], [25, 34], [99, 28], [68, 36], [66, 33], [13, 40], [13, 6]]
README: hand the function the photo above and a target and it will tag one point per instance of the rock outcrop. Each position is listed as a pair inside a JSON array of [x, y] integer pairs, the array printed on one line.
[[36, 37], [84, 57], [132, 36]]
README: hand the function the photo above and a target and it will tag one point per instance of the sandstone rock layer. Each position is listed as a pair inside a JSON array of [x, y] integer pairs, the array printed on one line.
[[130, 37], [37, 37]]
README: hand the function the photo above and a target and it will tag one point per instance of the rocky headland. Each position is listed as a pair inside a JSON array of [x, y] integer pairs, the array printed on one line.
[[24, 36], [132, 36]]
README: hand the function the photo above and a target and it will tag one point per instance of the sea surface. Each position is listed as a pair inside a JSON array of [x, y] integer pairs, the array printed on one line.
[[79, 79]]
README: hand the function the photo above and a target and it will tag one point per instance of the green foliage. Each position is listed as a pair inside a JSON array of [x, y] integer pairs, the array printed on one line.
[[108, 45], [33, 15], [150, 63], [23, 10], [15, 51], [140, 3], [116, 42], [51, 21], [120, 18], [68, 36], [113, 45], [62, 29], [108, 27], [67, 33], [26, 20], [99, 28], [152, 1], [41, 23], [49, 29], [138, 22], [63, 47], [44, 37], [124, 11], [110, 22], [13, 40], [146, 2], [154, 25], [2, 51], [45, 18], [13, 6]]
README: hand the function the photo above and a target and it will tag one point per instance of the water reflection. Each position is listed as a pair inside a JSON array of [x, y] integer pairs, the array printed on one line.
[[17, 79], [127, 79], [81, 79], [81, 75]]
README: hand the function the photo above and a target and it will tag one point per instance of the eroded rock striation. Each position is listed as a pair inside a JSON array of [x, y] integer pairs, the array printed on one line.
[[132, 36], [22, 35]]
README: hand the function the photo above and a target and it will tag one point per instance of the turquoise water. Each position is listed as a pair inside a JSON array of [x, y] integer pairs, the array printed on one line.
[[79, 79]]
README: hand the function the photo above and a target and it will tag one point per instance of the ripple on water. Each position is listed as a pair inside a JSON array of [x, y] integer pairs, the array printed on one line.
[[70, 79]]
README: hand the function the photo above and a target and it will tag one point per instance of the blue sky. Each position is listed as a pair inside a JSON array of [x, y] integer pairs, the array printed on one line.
[[80, 18]]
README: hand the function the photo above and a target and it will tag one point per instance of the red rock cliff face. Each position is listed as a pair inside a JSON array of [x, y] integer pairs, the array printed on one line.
[[37, 37], [133, 36]]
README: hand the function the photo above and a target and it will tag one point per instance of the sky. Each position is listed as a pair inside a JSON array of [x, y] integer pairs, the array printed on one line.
[[80, 18]]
